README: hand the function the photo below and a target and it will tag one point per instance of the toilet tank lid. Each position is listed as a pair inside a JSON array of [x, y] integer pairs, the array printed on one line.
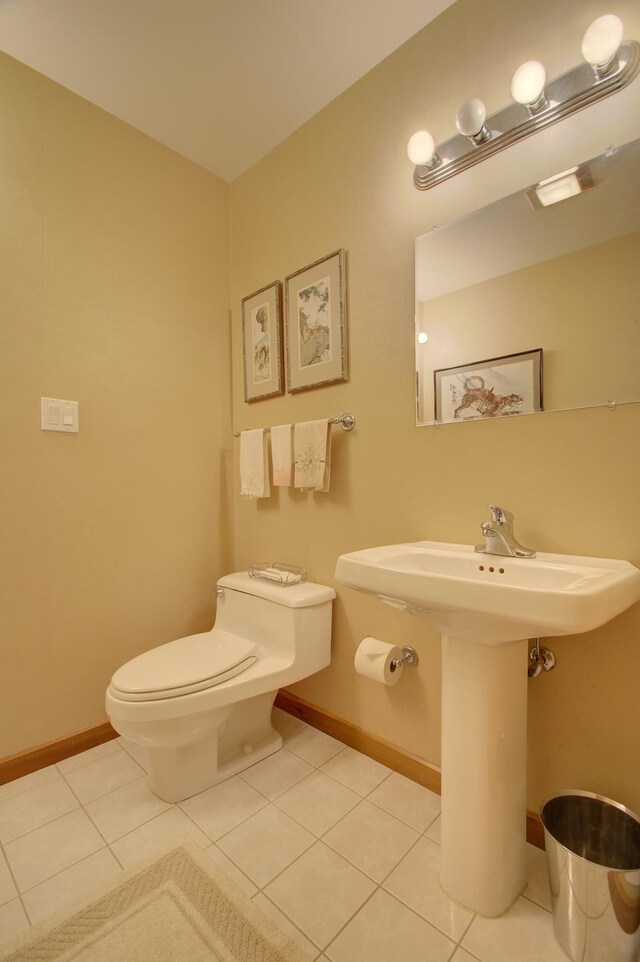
[[293, 596]]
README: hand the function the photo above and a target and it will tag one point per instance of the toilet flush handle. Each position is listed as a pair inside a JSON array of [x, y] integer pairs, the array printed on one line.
[[220, 592]]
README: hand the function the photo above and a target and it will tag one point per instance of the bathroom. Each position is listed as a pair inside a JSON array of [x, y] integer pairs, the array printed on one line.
[[123, 269]]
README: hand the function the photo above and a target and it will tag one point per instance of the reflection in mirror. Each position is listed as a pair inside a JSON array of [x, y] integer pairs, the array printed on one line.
[[514, 278]]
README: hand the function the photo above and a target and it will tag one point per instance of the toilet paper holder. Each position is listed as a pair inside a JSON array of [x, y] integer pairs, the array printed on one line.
[[409, 659]]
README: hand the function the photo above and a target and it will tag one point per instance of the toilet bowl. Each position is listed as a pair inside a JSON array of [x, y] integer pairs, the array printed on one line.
[[202, 704]]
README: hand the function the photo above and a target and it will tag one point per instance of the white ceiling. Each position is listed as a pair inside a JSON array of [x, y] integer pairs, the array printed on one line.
[[220, 81]]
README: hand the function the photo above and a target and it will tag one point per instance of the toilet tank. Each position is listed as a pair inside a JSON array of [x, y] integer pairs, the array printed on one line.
[[293, 622]]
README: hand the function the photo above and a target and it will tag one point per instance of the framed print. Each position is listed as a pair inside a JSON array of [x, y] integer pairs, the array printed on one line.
[[262, 343], [495, 388], [315, 319]]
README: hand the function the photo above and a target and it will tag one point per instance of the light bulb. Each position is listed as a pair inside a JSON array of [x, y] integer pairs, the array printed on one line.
[[527, 83], [470, 121], [601, 41], [421, 148]]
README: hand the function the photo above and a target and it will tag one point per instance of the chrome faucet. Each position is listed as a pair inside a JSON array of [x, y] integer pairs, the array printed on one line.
[[498, 535]]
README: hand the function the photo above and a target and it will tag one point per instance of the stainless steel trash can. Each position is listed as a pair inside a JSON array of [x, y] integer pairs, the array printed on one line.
[[593, 857]]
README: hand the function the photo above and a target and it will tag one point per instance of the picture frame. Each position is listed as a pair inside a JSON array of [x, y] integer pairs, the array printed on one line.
[[262, 343], [315, 324], [497, 387]]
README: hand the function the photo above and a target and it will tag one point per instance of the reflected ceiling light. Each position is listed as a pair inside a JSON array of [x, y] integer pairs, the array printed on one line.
[[527, 86], [537, 105], [561, 186], [601, 42], [423, 337]]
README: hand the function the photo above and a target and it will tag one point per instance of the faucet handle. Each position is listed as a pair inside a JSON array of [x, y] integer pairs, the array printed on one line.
[[500, 515]]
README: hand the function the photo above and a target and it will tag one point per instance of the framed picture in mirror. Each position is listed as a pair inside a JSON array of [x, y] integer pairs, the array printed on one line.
[[493, 388], [262, 343]]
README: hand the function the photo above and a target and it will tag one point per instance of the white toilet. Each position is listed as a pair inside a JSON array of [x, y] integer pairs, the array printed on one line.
[[202, 704]]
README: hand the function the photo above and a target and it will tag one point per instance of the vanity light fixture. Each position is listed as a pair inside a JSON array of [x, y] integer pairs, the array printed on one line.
[[609, 66]]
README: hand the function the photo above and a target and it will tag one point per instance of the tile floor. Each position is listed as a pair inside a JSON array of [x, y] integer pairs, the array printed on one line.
[[340, 851]]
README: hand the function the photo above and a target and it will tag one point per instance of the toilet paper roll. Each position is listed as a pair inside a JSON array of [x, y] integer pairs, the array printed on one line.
[[375, 659]]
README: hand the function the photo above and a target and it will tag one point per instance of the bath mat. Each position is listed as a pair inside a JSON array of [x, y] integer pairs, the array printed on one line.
[[177, 907]]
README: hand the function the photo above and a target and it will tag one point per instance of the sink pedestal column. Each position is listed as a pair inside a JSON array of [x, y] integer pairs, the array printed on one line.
[[484, 769]]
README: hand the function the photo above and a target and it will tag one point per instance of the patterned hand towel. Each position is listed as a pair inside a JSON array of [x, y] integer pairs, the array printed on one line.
[[254, 464], [312, 455], [281, 455]]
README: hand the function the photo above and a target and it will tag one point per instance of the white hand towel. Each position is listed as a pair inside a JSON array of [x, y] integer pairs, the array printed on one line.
[[281, 455], [312, 455], [254, 464]]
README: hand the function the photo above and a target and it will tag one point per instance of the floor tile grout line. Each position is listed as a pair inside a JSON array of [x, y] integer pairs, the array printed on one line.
[[14, 880], [88, 815], [110, 842], [297, 820], [118, 860], [22, 791], [44, 824], [89, 761], [378, 886], [288, 917], [346, 857], [227, 831], [260, 888], [285, 790], [535, 902], [398, 863], [421, 918], [177, 806], [474, 916], [344, 784], [126, 748], [104, 795], [476, 958], [350, 920], [50, 878], [406, 904], [318, 768], [132, 830], [236, 866]]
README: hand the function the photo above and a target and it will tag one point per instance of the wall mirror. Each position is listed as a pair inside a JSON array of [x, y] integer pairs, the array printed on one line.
[[522, 307]]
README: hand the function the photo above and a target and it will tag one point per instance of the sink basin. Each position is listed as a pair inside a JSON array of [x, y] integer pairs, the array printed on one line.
[[486, 607], [490, 599]]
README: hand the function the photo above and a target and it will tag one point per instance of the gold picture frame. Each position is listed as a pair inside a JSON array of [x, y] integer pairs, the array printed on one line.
[[315, 324], [262, 343]]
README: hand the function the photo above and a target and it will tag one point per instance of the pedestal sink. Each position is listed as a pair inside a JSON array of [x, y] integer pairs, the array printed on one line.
[[487, 607]]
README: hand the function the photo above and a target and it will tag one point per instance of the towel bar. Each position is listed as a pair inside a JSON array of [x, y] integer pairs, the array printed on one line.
[[346, 421]]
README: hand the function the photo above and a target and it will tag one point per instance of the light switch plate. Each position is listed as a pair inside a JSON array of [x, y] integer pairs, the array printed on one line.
[[59, 415]]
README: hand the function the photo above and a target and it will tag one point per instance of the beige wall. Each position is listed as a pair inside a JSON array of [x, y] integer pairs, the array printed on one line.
[[572, 478], [114, 274]]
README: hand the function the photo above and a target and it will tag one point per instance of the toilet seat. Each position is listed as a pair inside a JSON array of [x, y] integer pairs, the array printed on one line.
[[183, 666]]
